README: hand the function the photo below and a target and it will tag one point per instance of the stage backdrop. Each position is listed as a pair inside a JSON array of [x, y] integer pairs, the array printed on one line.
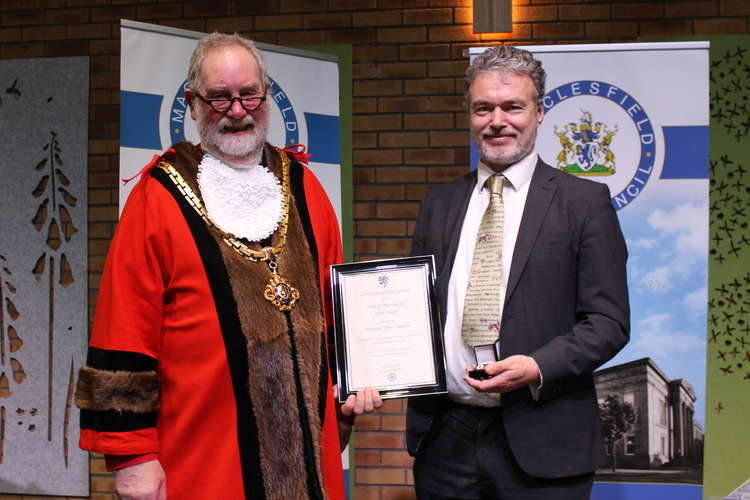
[[635, 116], [310, 101], [43, 275]]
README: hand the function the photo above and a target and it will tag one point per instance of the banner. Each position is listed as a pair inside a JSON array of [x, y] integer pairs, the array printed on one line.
[[304, 99], [635, 116]]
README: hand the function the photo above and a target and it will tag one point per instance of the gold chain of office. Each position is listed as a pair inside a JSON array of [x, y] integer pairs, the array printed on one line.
[[278, 291]]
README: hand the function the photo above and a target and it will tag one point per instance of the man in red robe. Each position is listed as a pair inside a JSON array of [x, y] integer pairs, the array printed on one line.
[[207, 375]]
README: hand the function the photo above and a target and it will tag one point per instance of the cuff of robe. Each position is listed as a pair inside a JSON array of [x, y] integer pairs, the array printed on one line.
[[117, 462]]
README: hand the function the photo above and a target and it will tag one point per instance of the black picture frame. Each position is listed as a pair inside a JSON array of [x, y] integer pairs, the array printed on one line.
[[415, 277]]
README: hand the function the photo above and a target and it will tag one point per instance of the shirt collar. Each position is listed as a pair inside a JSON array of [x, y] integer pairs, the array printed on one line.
[[518, 174]]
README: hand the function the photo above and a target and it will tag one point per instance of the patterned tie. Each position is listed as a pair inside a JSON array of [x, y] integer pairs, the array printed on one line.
[[481, 321]]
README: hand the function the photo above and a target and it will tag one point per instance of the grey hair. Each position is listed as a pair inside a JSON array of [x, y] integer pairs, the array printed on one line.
[[507, 59], [216, 40]]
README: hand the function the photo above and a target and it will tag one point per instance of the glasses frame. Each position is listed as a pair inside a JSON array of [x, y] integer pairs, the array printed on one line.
[[245, 102]]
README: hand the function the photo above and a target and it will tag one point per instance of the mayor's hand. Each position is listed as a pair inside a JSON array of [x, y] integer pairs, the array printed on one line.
[[144, 481], [507, 375], [364, 401]]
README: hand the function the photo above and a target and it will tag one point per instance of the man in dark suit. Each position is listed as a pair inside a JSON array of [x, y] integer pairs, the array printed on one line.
[[550, 298]]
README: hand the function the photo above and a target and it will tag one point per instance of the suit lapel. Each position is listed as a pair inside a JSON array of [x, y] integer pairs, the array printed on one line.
[[541, 191], [456, 206], [454, 220]]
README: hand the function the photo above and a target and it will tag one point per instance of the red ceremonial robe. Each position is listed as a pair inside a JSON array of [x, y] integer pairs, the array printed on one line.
[[180, 364]]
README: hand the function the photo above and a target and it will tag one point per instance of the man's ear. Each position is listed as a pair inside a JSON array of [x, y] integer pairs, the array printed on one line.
[[539, 114], [190, 98]]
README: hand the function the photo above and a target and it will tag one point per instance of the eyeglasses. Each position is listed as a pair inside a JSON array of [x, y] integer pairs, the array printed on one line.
[[223, 104]]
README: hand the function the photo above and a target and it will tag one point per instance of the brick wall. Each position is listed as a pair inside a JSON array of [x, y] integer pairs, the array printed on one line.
[[409, 123]]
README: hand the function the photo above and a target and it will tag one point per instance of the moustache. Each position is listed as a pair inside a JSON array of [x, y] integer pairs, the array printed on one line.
[[232, 125], [495, 136]]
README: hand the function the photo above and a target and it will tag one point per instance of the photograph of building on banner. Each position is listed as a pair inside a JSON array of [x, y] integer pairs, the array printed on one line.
[[606, 121]]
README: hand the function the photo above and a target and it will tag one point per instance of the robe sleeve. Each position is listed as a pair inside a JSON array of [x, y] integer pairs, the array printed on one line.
[[118, 389]]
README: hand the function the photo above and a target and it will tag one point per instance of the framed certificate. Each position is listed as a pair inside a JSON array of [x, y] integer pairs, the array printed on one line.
[[387, 327]]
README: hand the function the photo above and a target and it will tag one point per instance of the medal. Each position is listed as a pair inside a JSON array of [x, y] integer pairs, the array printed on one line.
[[278, 292]]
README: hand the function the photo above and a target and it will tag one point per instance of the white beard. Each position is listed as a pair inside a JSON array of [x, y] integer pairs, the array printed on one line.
[[238, 149]]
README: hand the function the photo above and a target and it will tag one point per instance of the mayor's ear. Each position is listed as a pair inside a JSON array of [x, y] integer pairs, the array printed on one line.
[[190, 98]]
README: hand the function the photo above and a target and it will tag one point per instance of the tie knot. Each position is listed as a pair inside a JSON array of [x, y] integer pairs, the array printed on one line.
[[495, 184]]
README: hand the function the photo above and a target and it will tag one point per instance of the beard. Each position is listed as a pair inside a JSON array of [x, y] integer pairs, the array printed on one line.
[[523, 147], [219, 138]]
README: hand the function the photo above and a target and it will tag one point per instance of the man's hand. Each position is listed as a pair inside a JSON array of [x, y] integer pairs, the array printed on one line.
[[364, 401], [144, 481], [507, 375]]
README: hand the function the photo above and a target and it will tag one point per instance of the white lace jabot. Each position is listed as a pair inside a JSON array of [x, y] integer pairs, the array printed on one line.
[[243, 200]]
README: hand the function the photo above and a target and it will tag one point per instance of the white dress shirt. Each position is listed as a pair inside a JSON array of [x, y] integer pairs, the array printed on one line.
[[458, 355]]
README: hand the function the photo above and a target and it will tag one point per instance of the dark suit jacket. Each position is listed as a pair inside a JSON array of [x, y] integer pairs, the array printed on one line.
[[566, 306]]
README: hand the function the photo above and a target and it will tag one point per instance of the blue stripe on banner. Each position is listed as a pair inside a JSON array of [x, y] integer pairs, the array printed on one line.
[[631, 491], [139, 120], [685, 152], [323, 137]]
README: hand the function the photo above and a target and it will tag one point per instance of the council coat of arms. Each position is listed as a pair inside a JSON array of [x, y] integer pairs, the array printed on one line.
[[586, 146]]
